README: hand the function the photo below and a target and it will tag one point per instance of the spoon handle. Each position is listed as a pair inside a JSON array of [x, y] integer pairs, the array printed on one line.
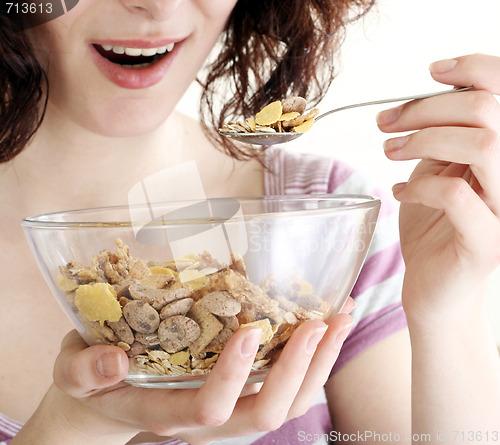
[[398, 99]]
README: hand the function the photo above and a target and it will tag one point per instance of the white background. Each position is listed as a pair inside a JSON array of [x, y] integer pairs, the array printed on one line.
[[387, 54]]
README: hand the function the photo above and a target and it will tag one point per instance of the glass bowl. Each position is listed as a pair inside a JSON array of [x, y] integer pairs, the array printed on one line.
[[171, 282]]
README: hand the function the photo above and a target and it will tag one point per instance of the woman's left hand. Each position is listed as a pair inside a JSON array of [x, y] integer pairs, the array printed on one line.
[[449, 219]]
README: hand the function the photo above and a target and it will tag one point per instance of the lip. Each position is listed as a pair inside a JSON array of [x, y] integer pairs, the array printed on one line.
[[135, 78]]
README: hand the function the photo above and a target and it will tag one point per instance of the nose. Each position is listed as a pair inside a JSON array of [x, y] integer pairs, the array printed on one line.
[[156, 10]]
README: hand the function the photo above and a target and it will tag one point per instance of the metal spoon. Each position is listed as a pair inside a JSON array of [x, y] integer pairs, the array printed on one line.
[[280, 138]]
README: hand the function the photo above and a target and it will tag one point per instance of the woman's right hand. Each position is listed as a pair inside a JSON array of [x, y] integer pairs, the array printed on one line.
[[90, 398]]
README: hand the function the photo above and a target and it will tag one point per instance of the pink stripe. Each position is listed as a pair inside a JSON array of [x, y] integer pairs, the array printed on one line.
[[11, 432], [4, 438], [299, 172], [379, 267], [372, 318], [9, 426], [309, 191], [320, 178], [370, 330], [302, 184], [340, 173], [316, 421]]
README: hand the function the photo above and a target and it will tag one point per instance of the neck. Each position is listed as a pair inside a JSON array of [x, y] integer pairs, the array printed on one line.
[[67, 168]]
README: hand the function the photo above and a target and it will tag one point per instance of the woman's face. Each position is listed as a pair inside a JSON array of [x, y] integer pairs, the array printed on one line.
[[118, 67]]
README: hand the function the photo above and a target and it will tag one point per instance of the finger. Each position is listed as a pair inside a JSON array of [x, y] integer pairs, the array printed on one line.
[[226, 384], [268, 409], [477, 70], [169, 412], [227, 380], [81, 370], [479, 148], [283, 382], [321, 365], [466, 211], [475, 108]]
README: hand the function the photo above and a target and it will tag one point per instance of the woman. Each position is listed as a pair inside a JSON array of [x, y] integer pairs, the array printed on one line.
[[103, 119]]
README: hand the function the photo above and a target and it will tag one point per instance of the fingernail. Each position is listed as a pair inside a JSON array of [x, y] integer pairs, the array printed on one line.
[[110, 364], [352, 301], [395, 144], [349, 305], [251, 342], [443, 66], [314, 339], [396, 188], [389, 116], [342, 335]]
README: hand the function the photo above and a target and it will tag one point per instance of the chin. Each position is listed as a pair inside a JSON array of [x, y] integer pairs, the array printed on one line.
[[128, 124], [117, 115], [134, 129]]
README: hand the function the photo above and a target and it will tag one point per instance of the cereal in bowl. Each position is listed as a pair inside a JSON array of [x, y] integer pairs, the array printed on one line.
[[174, 318]]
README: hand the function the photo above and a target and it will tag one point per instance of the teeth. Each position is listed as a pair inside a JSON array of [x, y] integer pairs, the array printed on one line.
[[135, 52], [148, 52]]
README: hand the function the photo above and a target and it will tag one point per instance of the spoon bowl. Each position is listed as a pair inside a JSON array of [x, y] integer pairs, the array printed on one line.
[[261, 138]]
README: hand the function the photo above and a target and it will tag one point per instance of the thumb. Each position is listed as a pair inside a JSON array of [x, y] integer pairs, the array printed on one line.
[[81, 370]]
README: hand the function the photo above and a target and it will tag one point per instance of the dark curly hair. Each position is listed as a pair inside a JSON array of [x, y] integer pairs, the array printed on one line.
[[270, 50], [22, 100]]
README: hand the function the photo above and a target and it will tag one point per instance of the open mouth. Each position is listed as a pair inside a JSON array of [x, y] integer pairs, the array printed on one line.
[[134, 58]]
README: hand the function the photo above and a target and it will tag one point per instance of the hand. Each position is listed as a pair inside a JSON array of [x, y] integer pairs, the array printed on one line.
[[90, 378], [449, 220]]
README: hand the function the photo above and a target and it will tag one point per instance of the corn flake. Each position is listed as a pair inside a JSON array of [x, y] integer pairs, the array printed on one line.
[[267, 330], [98, 302], [269, 114]]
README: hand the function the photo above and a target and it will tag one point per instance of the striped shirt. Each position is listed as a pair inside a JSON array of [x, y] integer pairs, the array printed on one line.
[[377, 291]]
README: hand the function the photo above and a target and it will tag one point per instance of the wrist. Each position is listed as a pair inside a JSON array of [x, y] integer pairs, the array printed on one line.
[[449, 311], [461, 328], [61, 418]]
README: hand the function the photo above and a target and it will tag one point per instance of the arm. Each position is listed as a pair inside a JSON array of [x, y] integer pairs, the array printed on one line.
[[62, 419], [450, 233], [377, 401], [456, 384]]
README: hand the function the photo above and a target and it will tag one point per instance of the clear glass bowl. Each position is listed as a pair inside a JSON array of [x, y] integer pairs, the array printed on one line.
[[171, 282]]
